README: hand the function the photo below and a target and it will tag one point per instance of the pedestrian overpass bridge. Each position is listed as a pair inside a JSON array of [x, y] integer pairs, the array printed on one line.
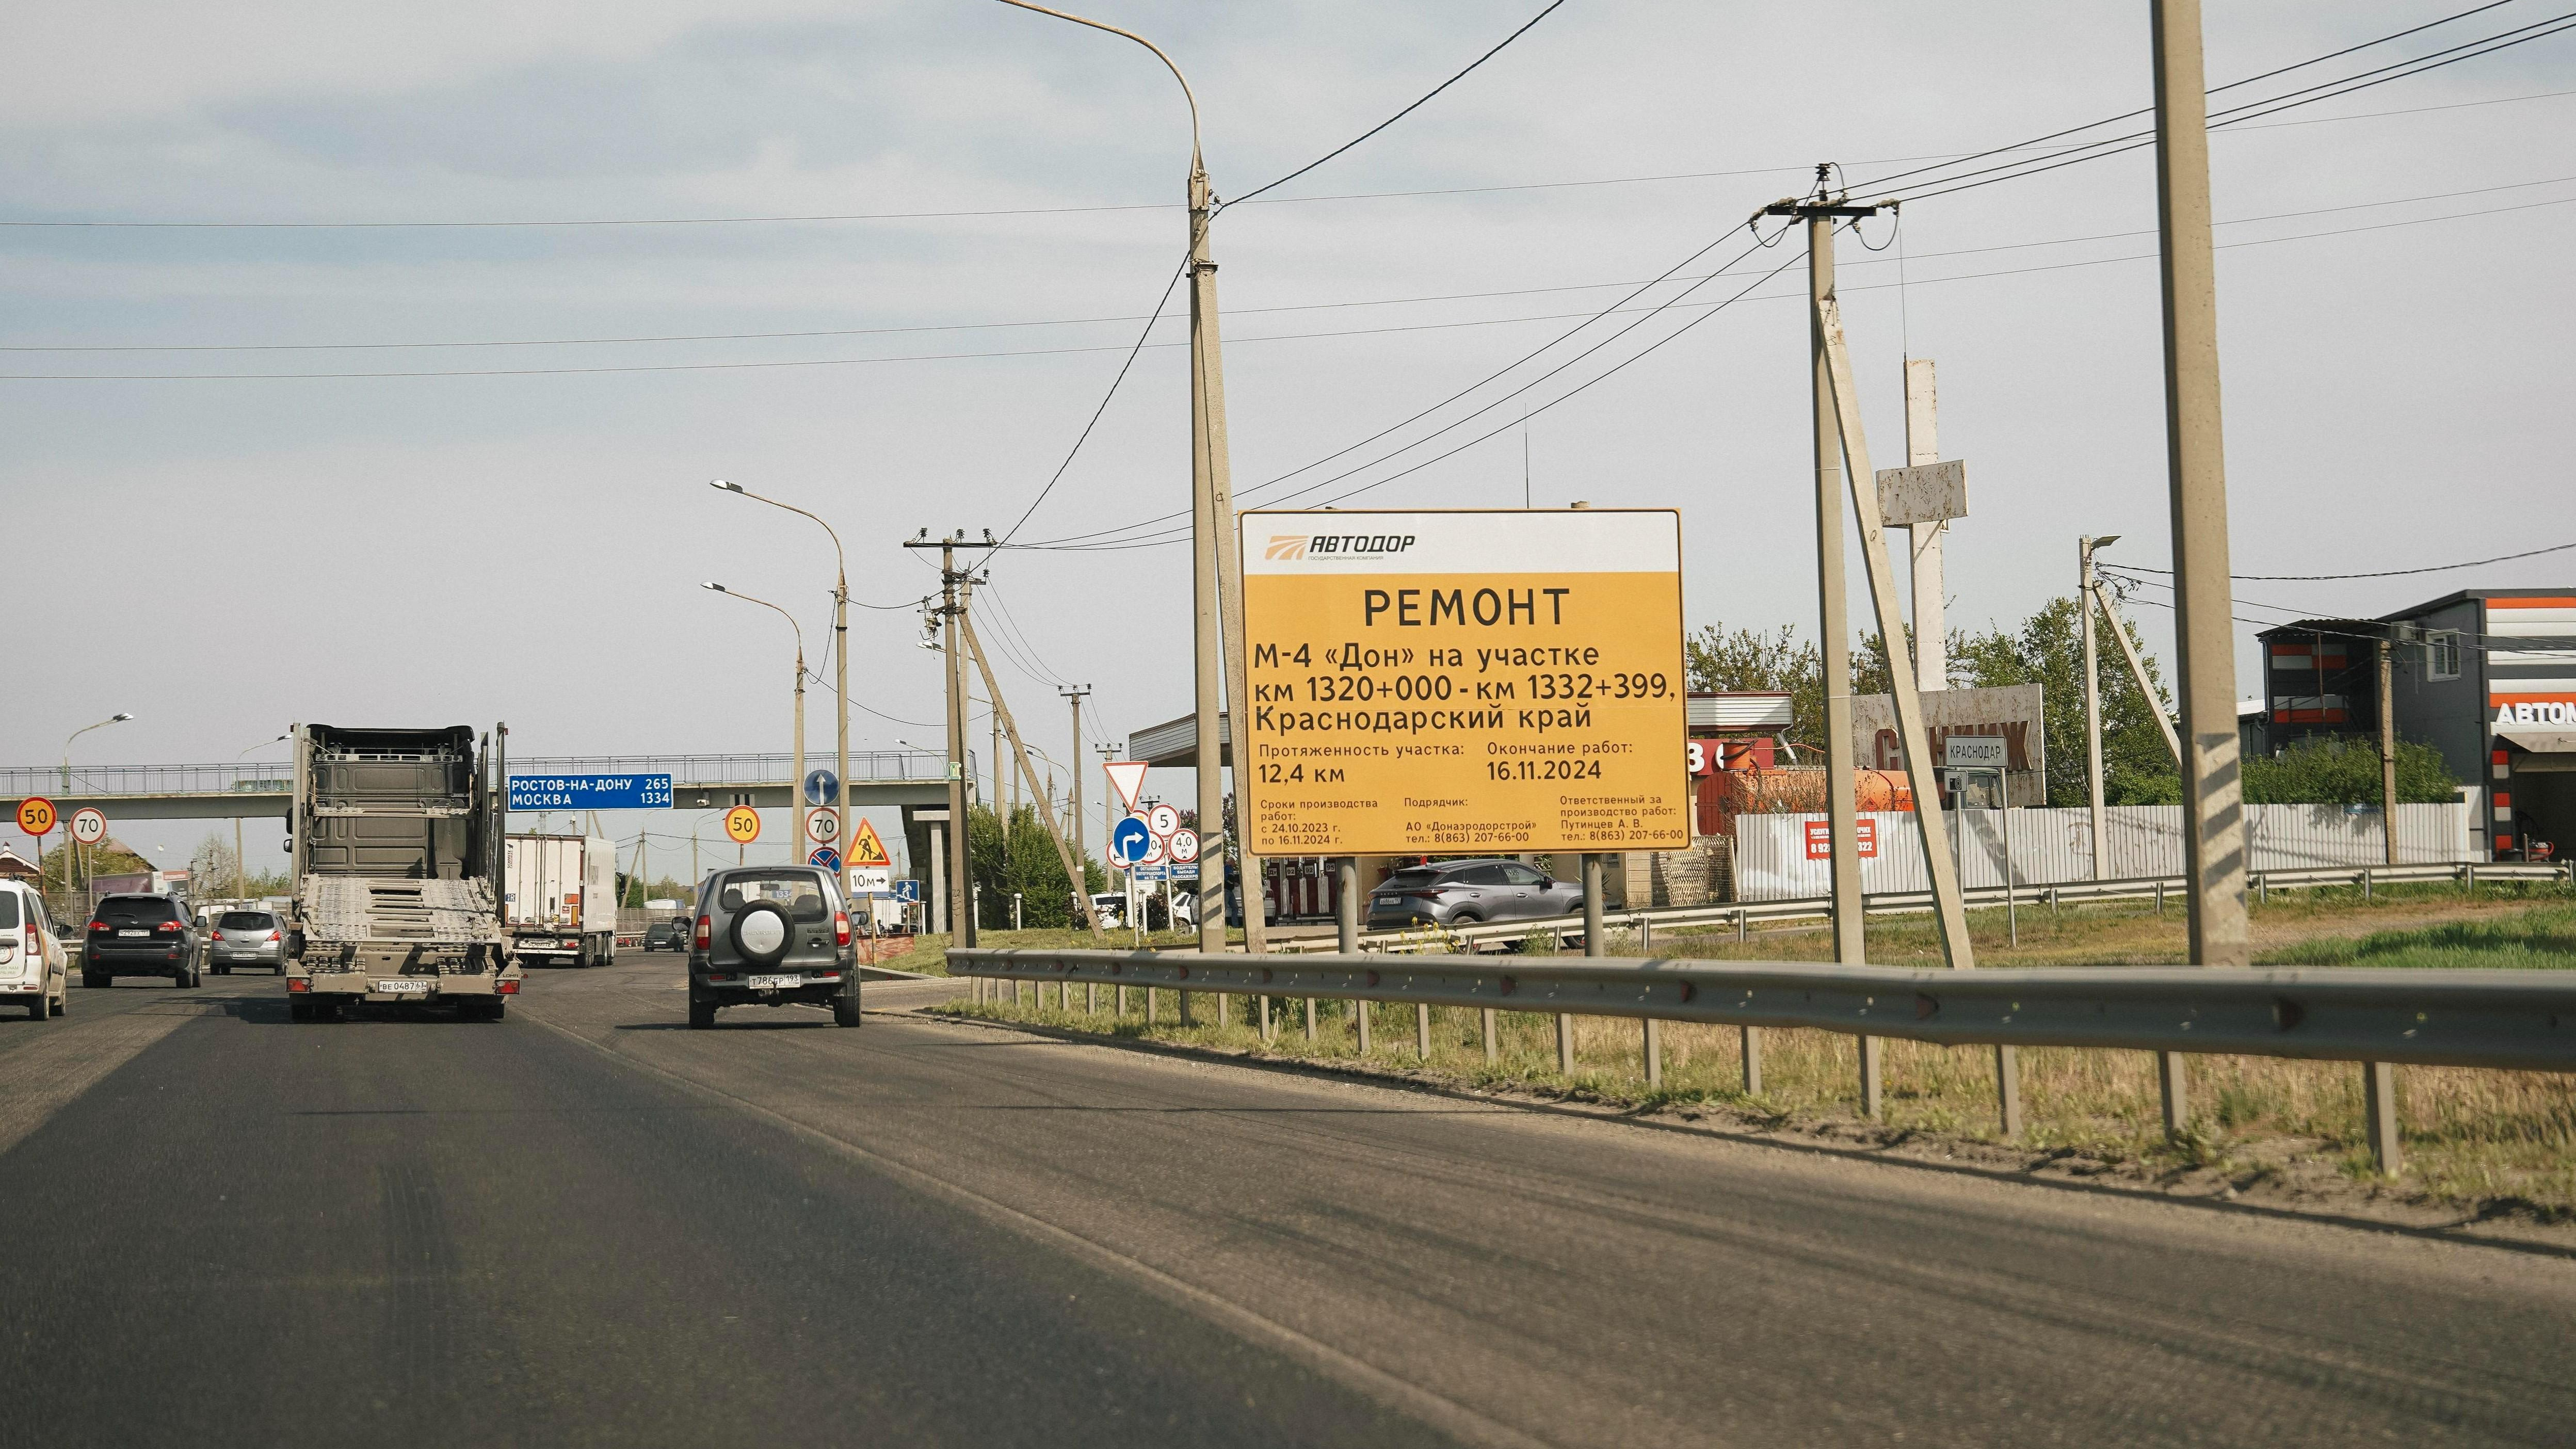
[[908, 778]]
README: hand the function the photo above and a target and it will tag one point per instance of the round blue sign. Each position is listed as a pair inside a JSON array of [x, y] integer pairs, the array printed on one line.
[[1129, 839], [822, 787], [826, 857]]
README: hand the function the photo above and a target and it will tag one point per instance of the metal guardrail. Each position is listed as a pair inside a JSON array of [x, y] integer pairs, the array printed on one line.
[[258, 777], [1742, 914], [2512, 1020]]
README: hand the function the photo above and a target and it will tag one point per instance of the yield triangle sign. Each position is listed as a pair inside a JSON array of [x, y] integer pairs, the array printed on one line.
[[866, 848], [1127, 777]]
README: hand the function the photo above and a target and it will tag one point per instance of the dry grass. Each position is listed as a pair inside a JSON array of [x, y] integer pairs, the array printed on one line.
[[2470, 1137]]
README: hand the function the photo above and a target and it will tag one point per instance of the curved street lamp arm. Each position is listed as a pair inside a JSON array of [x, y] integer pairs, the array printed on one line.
[[840, 559], [1186, 93], [734, 593]]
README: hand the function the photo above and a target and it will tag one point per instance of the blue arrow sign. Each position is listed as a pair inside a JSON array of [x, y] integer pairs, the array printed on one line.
[[826, 857], [822, 787], [1128, 842], [590, 792]]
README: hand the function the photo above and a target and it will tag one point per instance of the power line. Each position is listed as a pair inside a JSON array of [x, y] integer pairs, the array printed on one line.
[[95, 224], [1094, 421], [1408, 110], [1505, 369], [2135, 140], [1587, 317], [1872, 186], [1160, 315], [2377, 574], [1150, 541]]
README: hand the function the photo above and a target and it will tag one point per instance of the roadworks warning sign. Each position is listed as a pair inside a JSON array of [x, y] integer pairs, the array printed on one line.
[[1456, 682]]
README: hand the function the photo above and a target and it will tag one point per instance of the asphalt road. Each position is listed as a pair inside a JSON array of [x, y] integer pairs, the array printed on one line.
[[588, 1224]]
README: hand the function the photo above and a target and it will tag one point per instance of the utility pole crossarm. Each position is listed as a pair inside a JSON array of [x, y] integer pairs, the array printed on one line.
[[1046, 808], [1928, 813]]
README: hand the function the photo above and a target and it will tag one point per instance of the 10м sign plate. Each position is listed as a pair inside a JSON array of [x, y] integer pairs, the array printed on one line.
[[1464, 681]]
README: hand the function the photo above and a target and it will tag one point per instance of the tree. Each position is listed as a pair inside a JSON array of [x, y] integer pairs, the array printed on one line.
[[1722, 659], [1017, 855], [2048, 650], [2335, 770]]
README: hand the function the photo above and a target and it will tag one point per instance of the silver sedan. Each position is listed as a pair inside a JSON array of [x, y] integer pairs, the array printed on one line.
[[247, 938]]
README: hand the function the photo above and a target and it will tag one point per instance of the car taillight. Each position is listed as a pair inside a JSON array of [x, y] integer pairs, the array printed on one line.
[[98, 925], [509, 988], [706, 931], [273, 936], [840, 928], [171, 926], [218, 936]]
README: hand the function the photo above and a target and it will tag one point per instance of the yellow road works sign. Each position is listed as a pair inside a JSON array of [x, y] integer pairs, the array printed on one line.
[[866, 848], [1459, 682], [743, 824]]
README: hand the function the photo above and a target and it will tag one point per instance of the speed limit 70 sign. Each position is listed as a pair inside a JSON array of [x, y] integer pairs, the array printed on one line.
[[36, 815]]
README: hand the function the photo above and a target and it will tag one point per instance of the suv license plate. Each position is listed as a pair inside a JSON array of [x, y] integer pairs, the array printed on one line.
[[775, 983], [404, 988]]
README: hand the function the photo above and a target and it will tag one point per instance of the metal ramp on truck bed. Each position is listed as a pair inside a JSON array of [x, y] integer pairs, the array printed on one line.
[[349, 909]]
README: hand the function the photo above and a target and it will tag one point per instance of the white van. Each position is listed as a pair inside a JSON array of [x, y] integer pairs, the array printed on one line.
[[34, 971]]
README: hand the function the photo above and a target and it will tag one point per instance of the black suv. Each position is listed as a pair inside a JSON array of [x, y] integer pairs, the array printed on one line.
[[769, 935], [666, 936], [141, 936]]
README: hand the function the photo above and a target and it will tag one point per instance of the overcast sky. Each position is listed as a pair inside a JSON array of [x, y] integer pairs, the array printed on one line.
[[224, 557]]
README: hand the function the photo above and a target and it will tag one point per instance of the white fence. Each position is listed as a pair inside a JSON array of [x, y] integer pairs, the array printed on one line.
[[2050, 846]]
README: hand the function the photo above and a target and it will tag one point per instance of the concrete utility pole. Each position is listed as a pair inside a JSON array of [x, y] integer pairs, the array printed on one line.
[[2213, 796], [1842, 802], [2086, 587], [2387, 752], [955, 592], [1073, 804], [1923, 447], [1212, 515]]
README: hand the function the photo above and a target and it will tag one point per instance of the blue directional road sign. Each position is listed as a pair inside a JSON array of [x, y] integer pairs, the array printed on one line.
[[590, 792], [826, 857], [822, 787], [1128, 842]]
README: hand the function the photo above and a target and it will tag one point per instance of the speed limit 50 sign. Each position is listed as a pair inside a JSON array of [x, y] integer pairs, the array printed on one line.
[[36, 815]]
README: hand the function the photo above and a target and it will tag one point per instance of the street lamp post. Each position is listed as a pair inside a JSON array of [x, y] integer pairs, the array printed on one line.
[[117, 718], [1218, 554], [78, 856], [795, 811], [840, 680]]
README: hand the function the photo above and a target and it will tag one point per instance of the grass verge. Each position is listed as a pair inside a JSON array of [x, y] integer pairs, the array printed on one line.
[[2489, 1141]]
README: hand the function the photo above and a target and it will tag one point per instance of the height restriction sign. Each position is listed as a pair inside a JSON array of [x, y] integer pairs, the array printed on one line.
[[1506, 680]]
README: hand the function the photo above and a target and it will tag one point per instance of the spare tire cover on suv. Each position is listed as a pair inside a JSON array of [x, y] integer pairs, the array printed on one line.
[[761, 932]]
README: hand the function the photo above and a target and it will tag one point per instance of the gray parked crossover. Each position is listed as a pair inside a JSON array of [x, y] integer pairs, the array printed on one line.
[[1459, 892]]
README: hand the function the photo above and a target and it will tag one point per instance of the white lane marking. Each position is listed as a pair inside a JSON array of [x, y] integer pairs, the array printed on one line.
[[1442, 1413], [38, 1081]]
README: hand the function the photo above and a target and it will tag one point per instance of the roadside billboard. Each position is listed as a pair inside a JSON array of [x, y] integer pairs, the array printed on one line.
[[1453, 682], [2010, 714]]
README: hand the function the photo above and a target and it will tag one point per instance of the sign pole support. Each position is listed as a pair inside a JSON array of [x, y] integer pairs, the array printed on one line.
[[1941, 866], [1045, 808]]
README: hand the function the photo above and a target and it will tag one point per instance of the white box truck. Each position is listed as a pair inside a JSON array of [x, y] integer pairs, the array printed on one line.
[[559, 899]]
